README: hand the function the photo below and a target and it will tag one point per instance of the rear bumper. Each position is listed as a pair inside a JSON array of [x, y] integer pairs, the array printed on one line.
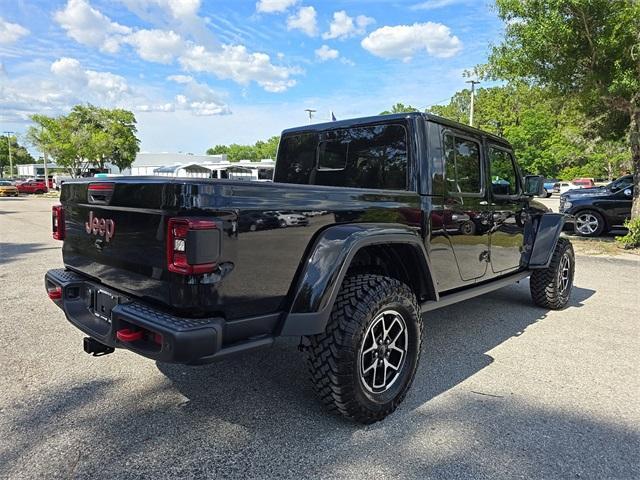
[[165, 337]]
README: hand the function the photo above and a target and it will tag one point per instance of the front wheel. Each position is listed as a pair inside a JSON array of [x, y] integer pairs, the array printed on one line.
[[364, 363], [589, 223], [551, 287]]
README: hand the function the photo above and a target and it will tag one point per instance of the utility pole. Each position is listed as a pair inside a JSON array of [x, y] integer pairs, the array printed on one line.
[[46, 161], [310, 111], [473, 97], [8, 134]]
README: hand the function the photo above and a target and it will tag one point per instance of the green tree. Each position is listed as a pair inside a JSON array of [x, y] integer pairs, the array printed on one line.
[[583, 49], [268, 148], [19, 154], [218, 150], [236, 152], [400, 108], [549, 137], [122, 144], [87, 136]]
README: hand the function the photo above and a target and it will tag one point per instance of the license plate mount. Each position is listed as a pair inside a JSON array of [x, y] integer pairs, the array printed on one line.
[[103, 303]]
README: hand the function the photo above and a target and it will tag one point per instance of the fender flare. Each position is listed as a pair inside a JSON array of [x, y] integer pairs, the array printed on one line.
[[549, 229], [327, 264]]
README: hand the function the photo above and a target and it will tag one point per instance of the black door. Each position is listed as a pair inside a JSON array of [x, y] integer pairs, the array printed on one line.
[[507, 209], [466, 213]]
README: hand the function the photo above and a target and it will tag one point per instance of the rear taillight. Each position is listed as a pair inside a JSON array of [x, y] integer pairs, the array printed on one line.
[[57, 222], [193, 246], [55, 293]]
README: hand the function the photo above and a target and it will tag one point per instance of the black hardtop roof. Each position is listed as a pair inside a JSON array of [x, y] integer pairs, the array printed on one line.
[[354, 122]]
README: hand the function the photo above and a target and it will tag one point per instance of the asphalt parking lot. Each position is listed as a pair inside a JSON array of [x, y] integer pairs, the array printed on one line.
[[505, 390]]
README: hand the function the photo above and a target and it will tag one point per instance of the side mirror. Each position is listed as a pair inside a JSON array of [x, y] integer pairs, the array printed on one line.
[[627, 192], [534, 185]]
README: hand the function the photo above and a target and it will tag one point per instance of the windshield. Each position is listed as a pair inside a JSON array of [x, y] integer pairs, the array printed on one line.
[[620, 183]]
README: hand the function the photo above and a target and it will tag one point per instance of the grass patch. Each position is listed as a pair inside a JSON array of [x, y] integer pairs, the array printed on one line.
[[599, 246]]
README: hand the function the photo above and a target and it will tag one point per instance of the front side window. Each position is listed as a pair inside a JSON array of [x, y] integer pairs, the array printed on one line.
[[462, 165], [504, 177]]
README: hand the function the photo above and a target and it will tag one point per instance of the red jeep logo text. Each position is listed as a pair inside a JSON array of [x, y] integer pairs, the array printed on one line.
[[100, 226]]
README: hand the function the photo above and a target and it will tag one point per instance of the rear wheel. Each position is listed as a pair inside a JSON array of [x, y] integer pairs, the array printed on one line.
[[364, 363], [589, 223], [551, 287]]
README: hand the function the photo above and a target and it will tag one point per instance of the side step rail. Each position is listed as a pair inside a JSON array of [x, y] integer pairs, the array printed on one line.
[[451, 298]]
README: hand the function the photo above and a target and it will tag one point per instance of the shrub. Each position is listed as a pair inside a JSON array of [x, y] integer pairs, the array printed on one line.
[[632, 238]]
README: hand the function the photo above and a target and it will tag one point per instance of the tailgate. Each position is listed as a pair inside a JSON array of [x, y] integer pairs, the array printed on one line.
[[115, 233]]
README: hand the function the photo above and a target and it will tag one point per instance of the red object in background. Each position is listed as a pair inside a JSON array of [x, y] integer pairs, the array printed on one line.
[[32, 186], [584, 182]]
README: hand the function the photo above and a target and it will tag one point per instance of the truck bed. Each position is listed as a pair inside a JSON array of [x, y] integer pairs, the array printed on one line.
[[259, 258]]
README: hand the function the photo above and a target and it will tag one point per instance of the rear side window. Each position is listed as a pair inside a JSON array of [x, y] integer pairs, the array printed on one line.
[[296, 158], [462, 165], [362, 157], [504, 178]]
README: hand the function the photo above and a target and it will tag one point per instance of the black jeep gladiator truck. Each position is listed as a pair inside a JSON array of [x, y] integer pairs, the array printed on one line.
[[412, 212]]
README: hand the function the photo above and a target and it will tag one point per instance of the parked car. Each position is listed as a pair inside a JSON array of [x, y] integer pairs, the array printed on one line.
[[599, 209], [567, 186], [49, 182], [291, 219], [32, 186], [8, 189], [585, 182], [252, 222], [58, 180], [551, 185], [159, 266]]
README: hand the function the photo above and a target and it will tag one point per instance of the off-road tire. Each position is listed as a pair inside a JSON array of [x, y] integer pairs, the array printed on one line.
[[546, 284], [333, 357]]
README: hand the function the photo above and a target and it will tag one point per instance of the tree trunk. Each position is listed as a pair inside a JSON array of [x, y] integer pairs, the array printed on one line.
[[634, 137]]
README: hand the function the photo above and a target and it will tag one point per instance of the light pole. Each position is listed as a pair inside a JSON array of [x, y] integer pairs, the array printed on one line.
[[310, 111], [473, 97], [8, 134]]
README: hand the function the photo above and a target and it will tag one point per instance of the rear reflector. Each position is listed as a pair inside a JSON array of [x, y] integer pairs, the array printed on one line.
[[55, 293], [57, 222], [182, 235]]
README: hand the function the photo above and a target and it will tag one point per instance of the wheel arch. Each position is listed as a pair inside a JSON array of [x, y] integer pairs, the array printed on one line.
[[547, 233], [392, 250]]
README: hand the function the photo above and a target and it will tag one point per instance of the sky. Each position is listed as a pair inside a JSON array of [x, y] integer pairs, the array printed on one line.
[[197, 73]]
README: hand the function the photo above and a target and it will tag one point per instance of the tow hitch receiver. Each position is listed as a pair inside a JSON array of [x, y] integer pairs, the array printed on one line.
[[95, 348]]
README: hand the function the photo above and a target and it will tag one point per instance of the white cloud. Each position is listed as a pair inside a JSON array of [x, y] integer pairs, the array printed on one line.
[[325, 53], [404, 41], [236, 63], [343, 26], [89, 26], [10, 32], [180, 78], [434, 4], [159, 46], [304, 20], [105, 86], [199, 98], [274, 6]]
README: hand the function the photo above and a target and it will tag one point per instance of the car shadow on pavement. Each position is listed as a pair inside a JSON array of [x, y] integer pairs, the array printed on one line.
[[10, 252], [256, 416], [456, 339]]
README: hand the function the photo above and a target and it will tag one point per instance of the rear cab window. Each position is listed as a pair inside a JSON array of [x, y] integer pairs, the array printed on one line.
[[374, 157]]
